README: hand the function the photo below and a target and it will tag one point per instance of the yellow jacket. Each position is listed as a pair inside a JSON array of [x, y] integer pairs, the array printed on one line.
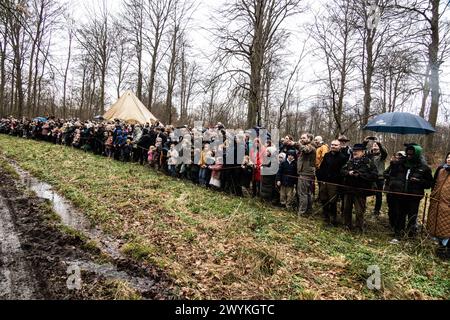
[[202, 161], [320, 153]]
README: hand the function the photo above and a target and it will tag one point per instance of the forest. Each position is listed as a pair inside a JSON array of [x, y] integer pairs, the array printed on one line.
[[297, 65]]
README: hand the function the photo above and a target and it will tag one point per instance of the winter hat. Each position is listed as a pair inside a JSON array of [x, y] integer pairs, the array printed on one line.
[[401, 153], [359, 146], [271, 150], [291, 153]]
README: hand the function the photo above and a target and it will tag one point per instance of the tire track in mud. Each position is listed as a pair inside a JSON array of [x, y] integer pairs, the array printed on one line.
[[35, 255], [16, 280]]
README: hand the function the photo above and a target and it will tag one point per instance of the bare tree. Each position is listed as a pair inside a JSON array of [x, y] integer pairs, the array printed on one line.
[[15, 16], [249, 32], [290, 85], [97, 38], [377, 27], [70, 30], [121, 57], [335, 37], [3, 58], [427, 16], [179, 22], [394, 78], [157, 12], [188, 81], [134, 23]]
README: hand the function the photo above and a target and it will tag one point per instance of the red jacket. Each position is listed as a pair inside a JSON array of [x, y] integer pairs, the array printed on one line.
[[257, 158]]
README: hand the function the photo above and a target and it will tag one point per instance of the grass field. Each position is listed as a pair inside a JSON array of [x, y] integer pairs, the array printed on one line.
[[218, 246]]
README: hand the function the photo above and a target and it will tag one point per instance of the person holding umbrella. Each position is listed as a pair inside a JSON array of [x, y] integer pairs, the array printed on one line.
[[417, 178], [378, 154]]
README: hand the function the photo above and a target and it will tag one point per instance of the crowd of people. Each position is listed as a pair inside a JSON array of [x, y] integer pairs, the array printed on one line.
[[339, 177]]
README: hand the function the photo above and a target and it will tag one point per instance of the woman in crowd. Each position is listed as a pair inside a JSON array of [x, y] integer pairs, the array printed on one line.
[[268, 190], [256, 156], [202, 164], [438, 222], [395, 182]]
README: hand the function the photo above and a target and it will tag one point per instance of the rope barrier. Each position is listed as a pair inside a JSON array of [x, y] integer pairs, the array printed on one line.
[[342, 186], [313, 178]]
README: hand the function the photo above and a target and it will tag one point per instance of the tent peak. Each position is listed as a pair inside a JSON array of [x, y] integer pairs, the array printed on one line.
[[130, 109]]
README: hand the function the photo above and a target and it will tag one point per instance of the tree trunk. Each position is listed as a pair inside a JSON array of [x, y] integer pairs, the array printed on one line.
[[171, 74], [426, 91], [102, 91], [65, 75], [13, 94], [139, 76], [369, 74], [183, 89], [139, 57], [35, 46], [83, 94], [434, 70], [151, 86], [3, 73], [19, 89], [256, 65]]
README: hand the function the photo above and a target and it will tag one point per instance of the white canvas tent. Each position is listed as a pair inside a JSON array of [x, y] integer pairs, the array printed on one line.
[[129, 109]]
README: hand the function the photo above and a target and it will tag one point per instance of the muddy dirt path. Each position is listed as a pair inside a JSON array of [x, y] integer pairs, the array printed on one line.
[[15, 273], [38, 260]]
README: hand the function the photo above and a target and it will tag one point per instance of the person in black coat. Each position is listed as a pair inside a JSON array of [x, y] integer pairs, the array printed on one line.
[[127, 149], [395, 180], [143, 145], [329, 176], [410, 176], [246, 173], [360, 173], [287, 179], [268, 189]]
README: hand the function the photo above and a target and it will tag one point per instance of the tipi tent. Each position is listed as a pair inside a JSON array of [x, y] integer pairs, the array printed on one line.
[[129, 109]]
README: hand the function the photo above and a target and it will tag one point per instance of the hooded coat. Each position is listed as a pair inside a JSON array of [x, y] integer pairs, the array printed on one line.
[[438, 222], [418, 174]]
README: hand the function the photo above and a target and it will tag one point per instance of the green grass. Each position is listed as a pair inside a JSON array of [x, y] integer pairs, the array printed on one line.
[[7, 168], [137, 250], [218, 246]]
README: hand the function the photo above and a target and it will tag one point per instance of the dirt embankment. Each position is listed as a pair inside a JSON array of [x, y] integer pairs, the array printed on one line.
[[40, 259]]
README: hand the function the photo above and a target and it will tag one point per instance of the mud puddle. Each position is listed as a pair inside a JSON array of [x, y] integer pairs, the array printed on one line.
[[70, 216], [28, 248]]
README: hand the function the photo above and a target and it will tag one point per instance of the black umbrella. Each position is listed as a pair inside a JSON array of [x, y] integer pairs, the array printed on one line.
[[399, 122]]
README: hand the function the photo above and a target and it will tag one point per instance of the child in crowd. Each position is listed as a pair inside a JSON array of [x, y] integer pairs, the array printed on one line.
[[151, 156], [109, 145], [215, 172], [246, 172], [172, 160], [126, 151]]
